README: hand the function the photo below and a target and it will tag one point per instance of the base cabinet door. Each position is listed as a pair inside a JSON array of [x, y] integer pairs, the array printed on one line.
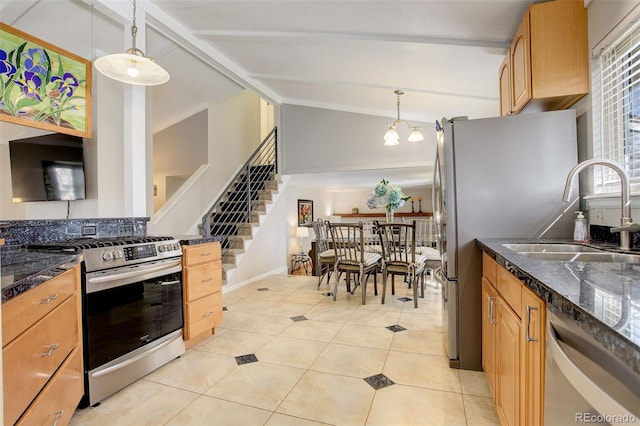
[[508, 364], [533, 332], [489, 334]]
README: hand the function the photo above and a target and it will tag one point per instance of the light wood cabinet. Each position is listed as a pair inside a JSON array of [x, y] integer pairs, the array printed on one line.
[[42, 352], [202, 290], [548, 59], [489, 321], [513, 329], [533, 338], [507, 363], [504, 81]]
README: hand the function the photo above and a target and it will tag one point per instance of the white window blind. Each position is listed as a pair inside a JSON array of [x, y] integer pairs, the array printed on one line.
[[619, 114]]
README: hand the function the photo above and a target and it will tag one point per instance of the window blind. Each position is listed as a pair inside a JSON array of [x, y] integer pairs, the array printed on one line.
[[618, 86]]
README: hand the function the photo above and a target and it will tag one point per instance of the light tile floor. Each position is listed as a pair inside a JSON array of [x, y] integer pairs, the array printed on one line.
[[313, 356]]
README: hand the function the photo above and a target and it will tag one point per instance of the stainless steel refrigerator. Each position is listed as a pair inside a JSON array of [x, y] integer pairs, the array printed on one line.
[[495, 177]]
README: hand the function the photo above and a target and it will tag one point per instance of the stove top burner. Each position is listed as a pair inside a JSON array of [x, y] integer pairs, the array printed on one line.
[[115, 252], [78, 244]]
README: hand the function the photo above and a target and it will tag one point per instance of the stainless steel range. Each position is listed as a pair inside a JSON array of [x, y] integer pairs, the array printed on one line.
[[132, 308]]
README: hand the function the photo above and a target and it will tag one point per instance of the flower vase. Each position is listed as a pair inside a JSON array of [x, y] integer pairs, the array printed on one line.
[[389, 215]]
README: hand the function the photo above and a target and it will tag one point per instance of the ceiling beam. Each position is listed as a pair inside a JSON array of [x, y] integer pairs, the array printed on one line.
[[396, 38], [299, 79]]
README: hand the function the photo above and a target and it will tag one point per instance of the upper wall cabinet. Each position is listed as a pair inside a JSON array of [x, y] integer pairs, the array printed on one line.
[[547, 65]]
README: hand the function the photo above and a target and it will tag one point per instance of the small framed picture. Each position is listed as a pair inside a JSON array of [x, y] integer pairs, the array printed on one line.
[[305, 212]]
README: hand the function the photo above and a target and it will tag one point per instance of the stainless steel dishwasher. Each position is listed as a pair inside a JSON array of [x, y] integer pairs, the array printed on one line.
[[584, 383]]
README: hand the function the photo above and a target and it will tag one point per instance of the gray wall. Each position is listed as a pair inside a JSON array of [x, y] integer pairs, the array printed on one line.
[[322, 140]]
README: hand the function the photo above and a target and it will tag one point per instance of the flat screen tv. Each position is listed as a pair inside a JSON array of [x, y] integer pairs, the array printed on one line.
[[47, 168]]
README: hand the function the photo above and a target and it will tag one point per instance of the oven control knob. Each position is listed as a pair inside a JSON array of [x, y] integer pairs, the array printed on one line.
[[117, 254], [107, 255], [161, 248]]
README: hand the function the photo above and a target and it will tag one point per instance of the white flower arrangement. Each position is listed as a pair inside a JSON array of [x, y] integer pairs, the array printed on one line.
[[388, 196]]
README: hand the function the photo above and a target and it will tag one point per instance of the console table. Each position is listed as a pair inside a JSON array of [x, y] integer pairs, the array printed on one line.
[[396, 214]]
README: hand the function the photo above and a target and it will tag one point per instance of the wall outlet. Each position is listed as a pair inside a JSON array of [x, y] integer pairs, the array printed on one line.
[[125, 230], [599, 216], [88, 230]]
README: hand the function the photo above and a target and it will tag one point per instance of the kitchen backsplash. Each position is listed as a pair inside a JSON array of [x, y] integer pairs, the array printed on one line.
[[600, 234], [19, 232]]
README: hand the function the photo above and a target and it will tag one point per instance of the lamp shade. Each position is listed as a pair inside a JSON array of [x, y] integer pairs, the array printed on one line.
[[391, 137], [415, 136], [132, 69], [302, 232]]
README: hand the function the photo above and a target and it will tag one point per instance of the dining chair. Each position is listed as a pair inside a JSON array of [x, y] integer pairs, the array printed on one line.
[[325, 256], [399, 257], [426, 243], [351, 258], [370, 237]]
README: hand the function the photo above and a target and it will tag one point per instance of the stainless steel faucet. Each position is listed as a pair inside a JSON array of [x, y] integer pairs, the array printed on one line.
[[626, 223]]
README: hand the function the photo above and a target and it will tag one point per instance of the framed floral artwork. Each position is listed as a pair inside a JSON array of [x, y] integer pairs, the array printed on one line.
[[305, 212], [42, 85]]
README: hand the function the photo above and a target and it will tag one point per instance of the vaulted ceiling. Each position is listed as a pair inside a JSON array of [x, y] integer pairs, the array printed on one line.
[[347, 55]]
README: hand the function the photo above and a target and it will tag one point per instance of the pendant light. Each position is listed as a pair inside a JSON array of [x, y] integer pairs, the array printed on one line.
[[133, 66], [391, 137]]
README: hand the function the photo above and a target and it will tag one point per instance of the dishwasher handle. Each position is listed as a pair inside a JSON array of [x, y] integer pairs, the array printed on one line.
[[598, 398]]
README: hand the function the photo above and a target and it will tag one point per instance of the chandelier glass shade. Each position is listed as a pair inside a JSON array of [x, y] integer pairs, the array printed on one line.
[[133, 66], [391, 137]]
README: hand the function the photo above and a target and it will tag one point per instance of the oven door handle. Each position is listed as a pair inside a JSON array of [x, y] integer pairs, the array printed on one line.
[[139, 273]]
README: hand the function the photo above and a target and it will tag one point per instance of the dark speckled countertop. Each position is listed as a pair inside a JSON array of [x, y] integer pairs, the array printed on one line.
[[601, 297], [189, 240], [24, 269]]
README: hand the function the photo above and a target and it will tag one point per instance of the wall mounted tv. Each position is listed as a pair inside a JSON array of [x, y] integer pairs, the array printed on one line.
[[47, 168]]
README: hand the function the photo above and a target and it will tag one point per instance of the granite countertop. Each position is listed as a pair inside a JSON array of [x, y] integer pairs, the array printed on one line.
[[189, 240], [24, 269], [583, 291]]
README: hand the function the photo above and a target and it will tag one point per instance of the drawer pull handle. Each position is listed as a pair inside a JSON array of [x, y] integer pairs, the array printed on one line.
[[208, 314], [206, 254], [49, 299], [59, 415], [206, 281], [52, 348]]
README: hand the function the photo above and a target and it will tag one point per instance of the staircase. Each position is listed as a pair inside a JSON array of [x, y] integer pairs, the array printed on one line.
[[235, 216]]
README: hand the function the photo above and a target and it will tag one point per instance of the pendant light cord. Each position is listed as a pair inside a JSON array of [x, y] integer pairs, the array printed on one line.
[[134, 28]]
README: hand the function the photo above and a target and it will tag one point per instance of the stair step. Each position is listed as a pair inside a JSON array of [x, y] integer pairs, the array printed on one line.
[[231, 217]]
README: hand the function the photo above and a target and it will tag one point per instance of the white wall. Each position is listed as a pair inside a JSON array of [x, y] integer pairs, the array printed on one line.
[[177, 152]]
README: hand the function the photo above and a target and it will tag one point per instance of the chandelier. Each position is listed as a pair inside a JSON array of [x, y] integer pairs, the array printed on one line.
[[133, 66], [391, 137]]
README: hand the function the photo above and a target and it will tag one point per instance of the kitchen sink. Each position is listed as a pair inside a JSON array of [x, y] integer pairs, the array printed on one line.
[[584, 256], [550, 248], [567, 252]]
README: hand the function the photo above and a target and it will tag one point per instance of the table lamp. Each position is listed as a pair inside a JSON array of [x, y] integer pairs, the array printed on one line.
[[301, 232]]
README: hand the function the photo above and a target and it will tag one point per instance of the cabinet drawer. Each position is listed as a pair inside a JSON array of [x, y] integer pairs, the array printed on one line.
[[510, 288], [203, 314], [30, 360], [60, 397], [24, 310], [489, 268], [202, 280], [192, 255]]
